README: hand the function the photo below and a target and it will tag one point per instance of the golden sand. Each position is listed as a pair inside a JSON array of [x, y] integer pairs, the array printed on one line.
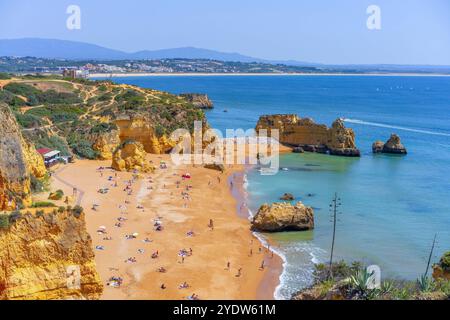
[[208, 195]]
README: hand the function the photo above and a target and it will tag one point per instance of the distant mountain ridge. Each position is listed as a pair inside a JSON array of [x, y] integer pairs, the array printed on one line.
[[74, 50]]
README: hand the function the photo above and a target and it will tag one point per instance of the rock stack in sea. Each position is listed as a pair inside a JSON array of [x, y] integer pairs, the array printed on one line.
[[303, 134], [283, 216], [393, 145]]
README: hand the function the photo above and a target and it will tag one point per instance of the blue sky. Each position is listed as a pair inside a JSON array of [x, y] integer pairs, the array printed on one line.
[[327, 31]]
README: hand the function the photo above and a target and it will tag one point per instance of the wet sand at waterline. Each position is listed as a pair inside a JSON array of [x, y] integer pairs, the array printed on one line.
[[158, 197]]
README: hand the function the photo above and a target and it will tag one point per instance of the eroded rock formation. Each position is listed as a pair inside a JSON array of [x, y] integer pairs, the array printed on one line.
[[141, 130], [283, 217], [130, 156], [105, 144], [42, 257], [18, 160], [199, 100], [393, 145], [305, 133]]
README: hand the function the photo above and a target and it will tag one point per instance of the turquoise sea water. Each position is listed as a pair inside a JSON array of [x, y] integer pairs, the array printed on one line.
[[392, 205]]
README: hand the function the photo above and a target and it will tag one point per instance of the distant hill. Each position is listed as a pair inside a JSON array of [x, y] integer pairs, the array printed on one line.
[[72, 50]]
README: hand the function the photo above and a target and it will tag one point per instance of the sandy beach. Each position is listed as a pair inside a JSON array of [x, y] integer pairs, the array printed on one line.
[[183, 208]]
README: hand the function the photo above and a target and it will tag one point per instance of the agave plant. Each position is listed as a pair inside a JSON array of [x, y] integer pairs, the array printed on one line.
[[425, 283], [360, 279], [387, 287]]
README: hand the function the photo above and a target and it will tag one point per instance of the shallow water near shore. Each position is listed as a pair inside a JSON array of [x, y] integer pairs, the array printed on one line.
[[391, 205]]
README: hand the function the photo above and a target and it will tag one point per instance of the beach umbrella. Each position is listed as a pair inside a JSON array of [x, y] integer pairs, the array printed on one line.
[[135, 234]]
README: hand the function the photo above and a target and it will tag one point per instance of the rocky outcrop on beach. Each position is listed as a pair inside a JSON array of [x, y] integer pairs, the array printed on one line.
[[142, 130], [393, 145], [199, 100], [215, 166], [304, 133], [18, 161], [48, 256], [105, 144], [441, 270], [283, 217], [130, 156]]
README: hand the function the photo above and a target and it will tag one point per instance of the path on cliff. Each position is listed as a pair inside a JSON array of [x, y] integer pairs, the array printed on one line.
[[80, 193]]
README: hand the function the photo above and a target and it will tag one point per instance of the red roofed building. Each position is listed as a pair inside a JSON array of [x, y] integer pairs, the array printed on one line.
[[50, 156]]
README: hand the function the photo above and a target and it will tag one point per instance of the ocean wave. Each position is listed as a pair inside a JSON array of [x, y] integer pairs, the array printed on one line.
[[382, 125], [298, 269], [245, 182]]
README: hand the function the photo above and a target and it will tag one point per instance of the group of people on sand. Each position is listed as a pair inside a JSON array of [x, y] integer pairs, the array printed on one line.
[[182, 183]]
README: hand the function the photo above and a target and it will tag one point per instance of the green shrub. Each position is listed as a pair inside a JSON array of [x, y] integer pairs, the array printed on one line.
[[28, 120], [4, 221], [40, 185], [52, 142], [35, 96], [103, 127], [4, 76], [43, 204], [444, 262], [83, 148], [39, 213], [57, 195], [10, 99], [77, 211], [14, 216]]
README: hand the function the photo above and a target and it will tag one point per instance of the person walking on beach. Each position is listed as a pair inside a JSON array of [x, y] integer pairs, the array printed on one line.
[[228, 265], [262, 265], [211, 224], [239, 272]]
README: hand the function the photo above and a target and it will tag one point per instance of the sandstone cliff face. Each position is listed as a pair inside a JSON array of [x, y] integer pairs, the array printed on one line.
[[130, 156], [305, 133], [283, 217], [141, 130], [48, 257], [18, 159], [199, 100], [105, 144]]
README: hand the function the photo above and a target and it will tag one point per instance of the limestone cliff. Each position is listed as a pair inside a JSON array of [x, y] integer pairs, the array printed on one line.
[[18, 160], [199, 100], [130, 156], [310, 136], [48, 256], [105, 144], [283, 217], [142, 130]]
